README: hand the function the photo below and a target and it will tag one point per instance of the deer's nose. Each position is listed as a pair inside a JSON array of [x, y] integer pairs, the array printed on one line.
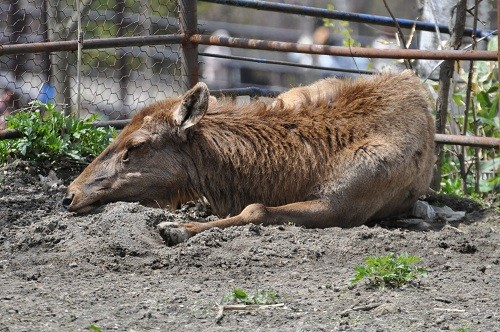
[[66, 202]]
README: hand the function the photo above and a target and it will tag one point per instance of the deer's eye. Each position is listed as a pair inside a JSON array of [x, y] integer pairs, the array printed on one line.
[[125, 156], [128, 151]]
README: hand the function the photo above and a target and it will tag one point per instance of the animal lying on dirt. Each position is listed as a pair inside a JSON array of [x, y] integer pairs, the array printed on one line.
[[335, 153]]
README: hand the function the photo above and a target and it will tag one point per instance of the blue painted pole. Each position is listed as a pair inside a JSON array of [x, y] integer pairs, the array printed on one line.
[[344, 16]]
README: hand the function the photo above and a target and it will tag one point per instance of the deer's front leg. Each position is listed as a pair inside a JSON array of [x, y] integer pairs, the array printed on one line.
[[310, 214]]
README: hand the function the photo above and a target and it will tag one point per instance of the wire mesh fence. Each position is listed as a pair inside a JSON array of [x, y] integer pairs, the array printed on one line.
[[109, 81]]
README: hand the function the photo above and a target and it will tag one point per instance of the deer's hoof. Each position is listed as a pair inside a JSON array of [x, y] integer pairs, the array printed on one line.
[[172, 233]]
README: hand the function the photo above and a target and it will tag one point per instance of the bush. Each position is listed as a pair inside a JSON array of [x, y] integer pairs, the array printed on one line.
[[49, 136]]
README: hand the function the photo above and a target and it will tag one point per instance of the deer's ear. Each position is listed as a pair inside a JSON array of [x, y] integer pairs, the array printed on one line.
[[193, 106]]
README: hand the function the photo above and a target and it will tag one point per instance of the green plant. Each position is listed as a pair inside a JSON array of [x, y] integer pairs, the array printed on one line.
[[239, 296], [343, 28], [390, 270], [50, 136], [464, 329], [473, 170], [94, 327]]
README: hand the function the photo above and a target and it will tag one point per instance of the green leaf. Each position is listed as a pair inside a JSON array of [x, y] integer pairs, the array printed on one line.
[[458, 99], [493, 88], [492, 111], [95, 328], [240, 294], [484, 99]]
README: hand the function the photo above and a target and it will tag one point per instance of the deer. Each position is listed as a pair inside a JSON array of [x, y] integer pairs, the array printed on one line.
[[336, 153]]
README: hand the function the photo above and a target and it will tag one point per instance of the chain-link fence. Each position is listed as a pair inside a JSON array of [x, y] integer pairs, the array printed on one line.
[[109, 81]]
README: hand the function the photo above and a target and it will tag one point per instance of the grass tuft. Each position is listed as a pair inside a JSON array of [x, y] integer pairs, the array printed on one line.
[[389, 270], [239, 296]]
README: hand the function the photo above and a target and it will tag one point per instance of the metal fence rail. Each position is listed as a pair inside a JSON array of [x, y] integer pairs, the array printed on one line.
[[257, 44]]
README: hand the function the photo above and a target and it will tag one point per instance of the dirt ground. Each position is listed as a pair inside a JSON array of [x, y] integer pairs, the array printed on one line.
[[61, 272]]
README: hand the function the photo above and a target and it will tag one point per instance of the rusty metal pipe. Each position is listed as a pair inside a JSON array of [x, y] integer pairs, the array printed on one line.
[[249, 43], [72, 45], [270, 45], [118, 124], [477, 141]]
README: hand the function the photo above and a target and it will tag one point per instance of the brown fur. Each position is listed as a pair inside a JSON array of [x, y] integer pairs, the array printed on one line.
[[336, 153], [315, 93]]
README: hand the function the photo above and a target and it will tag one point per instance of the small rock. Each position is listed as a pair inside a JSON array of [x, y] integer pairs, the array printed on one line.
[[196, 289], [384, 309], [484, 268], [51, 180], [446, 213], [423, 210]]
